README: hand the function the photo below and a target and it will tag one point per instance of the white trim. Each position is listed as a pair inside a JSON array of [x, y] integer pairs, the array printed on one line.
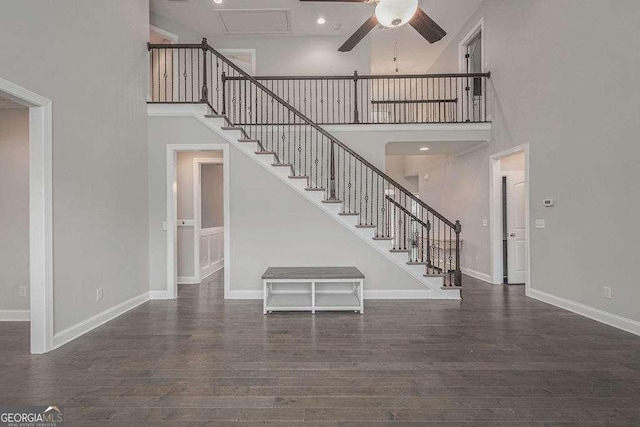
[[495, 209], [172, 150], [598, 315], [197, 211], [40, 213], [252, 52], [15, 316], [478, 28], [188, 280], [164, 33], [159, 295], [79, 329], [476, 274]]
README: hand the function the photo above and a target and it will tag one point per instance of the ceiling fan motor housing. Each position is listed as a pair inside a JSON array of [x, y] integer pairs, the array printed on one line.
[[395, 13]]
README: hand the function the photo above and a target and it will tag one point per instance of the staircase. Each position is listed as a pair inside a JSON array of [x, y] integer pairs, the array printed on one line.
[[314, 163]]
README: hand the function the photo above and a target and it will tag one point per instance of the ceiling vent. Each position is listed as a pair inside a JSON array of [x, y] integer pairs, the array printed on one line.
[[255, 21]]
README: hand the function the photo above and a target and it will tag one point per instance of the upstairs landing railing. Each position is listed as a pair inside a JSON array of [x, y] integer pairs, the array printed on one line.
[[197, 73]]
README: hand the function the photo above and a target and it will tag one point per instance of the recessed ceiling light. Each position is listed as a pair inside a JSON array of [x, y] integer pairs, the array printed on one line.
[[424, 149], [321, 20], [217, 1]]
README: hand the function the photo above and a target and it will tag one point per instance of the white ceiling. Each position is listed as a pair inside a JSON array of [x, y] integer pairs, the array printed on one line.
[[416, 54], [435, 148]]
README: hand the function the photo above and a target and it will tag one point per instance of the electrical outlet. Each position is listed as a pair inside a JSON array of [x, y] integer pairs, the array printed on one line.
[[540, 223], [22, 291], [477, 260], [99, 294], [165, 225], [607, 292], [485, 222]]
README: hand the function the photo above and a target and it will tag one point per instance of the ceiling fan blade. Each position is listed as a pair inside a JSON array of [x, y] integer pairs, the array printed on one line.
[[360, 33], [427, 27]]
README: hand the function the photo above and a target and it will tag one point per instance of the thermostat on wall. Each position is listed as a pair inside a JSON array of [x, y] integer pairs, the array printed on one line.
[[547, 203]]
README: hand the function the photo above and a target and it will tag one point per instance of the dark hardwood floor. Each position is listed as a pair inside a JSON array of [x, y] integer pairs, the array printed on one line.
[[495, 357]]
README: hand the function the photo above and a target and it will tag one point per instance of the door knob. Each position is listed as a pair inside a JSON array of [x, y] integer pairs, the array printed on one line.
[[512, 234]]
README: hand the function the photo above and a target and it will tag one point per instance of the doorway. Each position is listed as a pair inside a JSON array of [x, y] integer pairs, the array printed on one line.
[[198, 237], [40, 218], [509, 206]]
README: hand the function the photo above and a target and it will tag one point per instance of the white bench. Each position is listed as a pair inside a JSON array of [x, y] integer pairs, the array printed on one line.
[[313, 289]]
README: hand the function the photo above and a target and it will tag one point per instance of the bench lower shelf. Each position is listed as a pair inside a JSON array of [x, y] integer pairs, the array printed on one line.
[[314, 295]]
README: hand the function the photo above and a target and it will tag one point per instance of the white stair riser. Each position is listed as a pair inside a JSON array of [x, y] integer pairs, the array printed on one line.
[[251, 147], [234, 135]]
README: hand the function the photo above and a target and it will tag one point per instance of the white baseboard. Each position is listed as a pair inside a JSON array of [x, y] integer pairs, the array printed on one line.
[[398, 294], [77, 330], [476, 274], [614, 320], [187, 280], [245, 295], [15, 316], [158, 295]]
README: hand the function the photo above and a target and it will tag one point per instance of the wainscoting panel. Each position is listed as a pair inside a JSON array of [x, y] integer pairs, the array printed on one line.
[[211, 251]]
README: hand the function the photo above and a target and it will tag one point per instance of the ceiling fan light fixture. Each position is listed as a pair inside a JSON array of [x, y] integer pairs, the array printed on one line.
[[395, 13]]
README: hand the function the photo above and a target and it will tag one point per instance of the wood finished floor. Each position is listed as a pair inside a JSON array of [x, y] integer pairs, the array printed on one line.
[[495, 357]]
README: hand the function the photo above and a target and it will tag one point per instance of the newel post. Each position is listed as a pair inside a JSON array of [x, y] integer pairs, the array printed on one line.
[[205, 90], [458, 273], [356, 113]]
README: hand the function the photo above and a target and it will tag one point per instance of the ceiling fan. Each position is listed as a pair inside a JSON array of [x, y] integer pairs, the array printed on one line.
[[393, 14]]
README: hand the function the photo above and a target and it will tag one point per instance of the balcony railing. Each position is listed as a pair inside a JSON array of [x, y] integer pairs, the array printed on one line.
[[375, 99], [178, 75]]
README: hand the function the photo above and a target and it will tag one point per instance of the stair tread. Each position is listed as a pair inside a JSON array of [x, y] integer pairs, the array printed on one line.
[[316, 189], [398, 250], [349, 214], [366, 226], [382, 238], [281, 164], [248, 140], [215, 116], [298, 177], [416, 263], [266, 152], [332, 201], [231, 128]]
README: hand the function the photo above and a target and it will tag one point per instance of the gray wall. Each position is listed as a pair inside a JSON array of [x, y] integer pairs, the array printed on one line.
[[14, 207], [211, 195], [89, 58], [271, 224], [580, 114]]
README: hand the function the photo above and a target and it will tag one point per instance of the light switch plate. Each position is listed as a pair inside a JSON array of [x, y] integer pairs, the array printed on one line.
[[540, 223], [165, 225], [22, 291], [485, 222]]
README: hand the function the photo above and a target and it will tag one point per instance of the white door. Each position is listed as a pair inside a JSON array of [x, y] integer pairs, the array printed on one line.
[[516, 244]]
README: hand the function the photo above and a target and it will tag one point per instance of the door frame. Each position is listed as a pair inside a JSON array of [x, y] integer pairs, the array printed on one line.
[[478, 28], [197, 209], [172, 213], [495, 211], [40, 213]]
